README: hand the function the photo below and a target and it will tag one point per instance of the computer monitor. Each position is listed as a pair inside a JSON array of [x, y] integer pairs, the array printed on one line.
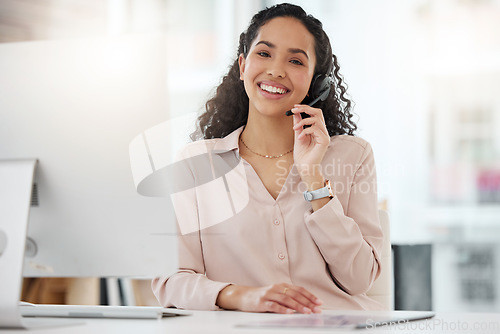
[[75, 106]]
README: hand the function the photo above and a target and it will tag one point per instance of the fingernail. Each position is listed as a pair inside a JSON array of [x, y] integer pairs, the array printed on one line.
[[289, 311], [319, 301], [317, 310], [307, 310]]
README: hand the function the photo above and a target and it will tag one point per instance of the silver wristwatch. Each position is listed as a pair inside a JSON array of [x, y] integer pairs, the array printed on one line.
[[326, 191]]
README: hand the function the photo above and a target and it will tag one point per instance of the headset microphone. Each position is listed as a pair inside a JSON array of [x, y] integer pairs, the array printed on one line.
[[319, 91], [290, 113]]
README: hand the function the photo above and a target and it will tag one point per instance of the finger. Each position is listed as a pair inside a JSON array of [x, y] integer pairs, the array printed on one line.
[[296, 119], [274, 307], [305, 299], [315, 117], [286, 295], [298, 108], [311, 121], [288, 301], [304, 292], [280, 293], [314, 131], [305, 111]]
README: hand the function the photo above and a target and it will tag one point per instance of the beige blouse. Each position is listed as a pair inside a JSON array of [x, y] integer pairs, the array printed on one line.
[[233, 231]]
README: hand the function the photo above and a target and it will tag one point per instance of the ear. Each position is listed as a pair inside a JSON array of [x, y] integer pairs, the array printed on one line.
[[241, 63]]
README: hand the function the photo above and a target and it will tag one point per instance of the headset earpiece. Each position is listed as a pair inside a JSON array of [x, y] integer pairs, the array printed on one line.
[[320, 87], [319, 90]]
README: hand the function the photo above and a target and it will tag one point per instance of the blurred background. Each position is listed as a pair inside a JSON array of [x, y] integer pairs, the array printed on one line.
[[425, 79]]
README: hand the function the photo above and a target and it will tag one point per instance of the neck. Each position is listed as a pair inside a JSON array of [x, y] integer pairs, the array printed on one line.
[[269, 135]]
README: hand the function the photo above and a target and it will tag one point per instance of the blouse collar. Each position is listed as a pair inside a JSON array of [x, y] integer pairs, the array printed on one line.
[[229, 142]]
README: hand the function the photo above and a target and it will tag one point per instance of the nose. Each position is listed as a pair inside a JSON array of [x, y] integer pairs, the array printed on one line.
[[276, 70]]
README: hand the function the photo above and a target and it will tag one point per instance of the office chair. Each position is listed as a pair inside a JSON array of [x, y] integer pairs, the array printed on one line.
[[381, 289]]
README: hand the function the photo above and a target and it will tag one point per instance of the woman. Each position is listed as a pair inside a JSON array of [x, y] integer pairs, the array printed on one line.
[[292, 224]]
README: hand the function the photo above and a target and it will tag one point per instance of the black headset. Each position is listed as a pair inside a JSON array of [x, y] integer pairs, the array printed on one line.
[[319, 90]]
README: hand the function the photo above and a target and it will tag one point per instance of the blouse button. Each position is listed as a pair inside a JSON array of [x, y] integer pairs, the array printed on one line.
[[281, 256], [276, 222]]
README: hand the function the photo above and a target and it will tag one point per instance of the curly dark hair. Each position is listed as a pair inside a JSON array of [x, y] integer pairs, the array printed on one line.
[[227, 110]]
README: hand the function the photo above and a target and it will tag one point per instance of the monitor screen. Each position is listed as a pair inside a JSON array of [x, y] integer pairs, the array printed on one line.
[[75, 106]]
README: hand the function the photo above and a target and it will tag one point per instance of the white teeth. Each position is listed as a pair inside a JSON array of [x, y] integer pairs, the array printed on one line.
[[272, 89]]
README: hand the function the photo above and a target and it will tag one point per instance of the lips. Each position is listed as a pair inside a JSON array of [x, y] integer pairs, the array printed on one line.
[[273, 88]]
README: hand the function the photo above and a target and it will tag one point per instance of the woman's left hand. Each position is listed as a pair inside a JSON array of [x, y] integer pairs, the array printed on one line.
[[312, 142]]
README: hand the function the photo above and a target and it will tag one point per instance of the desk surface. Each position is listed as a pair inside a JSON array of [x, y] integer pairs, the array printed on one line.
[[221, 322]]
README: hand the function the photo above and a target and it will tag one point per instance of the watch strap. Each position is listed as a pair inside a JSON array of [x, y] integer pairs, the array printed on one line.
[[326, 191]]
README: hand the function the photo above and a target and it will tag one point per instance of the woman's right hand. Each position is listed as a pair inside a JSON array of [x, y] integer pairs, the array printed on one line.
[[277, 298]]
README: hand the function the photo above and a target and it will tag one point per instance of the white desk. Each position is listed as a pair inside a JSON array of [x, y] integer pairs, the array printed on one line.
[[221, 322]]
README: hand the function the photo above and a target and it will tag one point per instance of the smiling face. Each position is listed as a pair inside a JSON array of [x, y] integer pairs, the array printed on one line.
[[279, 66]]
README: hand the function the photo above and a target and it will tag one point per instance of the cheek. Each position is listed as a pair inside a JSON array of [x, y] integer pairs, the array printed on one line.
[[303, 83], [247, 72], [247, 81]]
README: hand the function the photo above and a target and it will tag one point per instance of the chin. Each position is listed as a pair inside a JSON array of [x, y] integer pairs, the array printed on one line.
[[274, 112]]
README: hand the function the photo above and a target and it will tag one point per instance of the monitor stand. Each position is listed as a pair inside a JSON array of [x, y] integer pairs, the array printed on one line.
[[16, 182]]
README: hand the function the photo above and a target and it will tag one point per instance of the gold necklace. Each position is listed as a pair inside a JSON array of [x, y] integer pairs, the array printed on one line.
[[263, 155]]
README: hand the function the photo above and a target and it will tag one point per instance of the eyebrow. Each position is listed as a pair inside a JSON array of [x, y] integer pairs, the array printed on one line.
[[291, 50]]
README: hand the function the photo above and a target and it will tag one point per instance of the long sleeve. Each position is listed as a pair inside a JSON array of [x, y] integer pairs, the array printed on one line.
[[349, 235], [189, 288]]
